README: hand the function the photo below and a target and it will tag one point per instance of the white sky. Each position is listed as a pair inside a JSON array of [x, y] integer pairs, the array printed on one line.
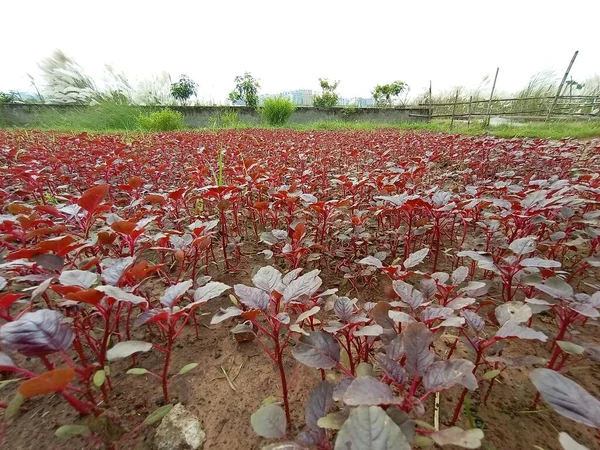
[[289, 45]]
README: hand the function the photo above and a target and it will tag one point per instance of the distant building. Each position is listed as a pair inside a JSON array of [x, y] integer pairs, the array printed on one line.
[[359, 102], [306, 97], [300, 97]]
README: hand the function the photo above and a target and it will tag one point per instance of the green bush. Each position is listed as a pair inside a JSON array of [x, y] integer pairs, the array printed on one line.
[[163, 120], [277, 111]]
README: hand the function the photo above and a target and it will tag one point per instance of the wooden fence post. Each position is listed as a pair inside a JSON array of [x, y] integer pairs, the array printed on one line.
[[562, 83], [430, 102], [454, 109], [469, 112], [489, 110]]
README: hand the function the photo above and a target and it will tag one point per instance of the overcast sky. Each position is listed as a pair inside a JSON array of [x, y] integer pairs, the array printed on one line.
[[289, 45]]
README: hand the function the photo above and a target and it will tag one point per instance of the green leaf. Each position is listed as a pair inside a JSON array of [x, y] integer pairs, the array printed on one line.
[[157, 415], [423, 441], [99, 378], [333, 421], [570, 348], [424, 425], [5, 383], [491, 374], [70, 431], [137, 371], [271, 399], [185, 369], [365, 369], [13, 407]]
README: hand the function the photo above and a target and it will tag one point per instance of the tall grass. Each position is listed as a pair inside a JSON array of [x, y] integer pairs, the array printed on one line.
[[535, 99], [105, 116]]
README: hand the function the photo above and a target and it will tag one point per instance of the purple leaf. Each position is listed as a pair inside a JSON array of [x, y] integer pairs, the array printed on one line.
[[291, 275], [174, 293], [37, 333], [267, 278], [440, 277], [522, 246], [584, 309], [368, 391], [476, 256], [340, 388], [443, 375], [416, 339], [5, 361], [284, 318], [209, 291], [319, 403], [113, 272], [251, 297], [41, 288], [124, 349], [517, 311], [460, 275], [539, 262], [401, 419], [460, 303], [428, 288], [476, 289], [369, 330], [371, 261], [555, 287], [436, 312], [80, 278], [319, 350], [407, 293], [512, 329], [568, 443], [393, 369], [369, 427], [473, 320], [312, 438], [144, 317], [400, 317], [343, 308], [49, 261], [416, 258], [121, 295], [269, 421], [566, 397], [224, 314], [309, 313], [380, 314], [306, 285], [395, 349]]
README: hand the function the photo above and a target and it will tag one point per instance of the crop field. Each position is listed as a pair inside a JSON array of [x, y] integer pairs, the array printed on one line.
[[285, 289]]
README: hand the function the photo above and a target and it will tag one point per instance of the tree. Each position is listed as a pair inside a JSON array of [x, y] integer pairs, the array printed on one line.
[[328, 97], [183, 89], [246, 90], [385, 94], [9, 97]]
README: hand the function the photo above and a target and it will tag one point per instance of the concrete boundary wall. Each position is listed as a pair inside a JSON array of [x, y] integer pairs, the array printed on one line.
[[23, 115]]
